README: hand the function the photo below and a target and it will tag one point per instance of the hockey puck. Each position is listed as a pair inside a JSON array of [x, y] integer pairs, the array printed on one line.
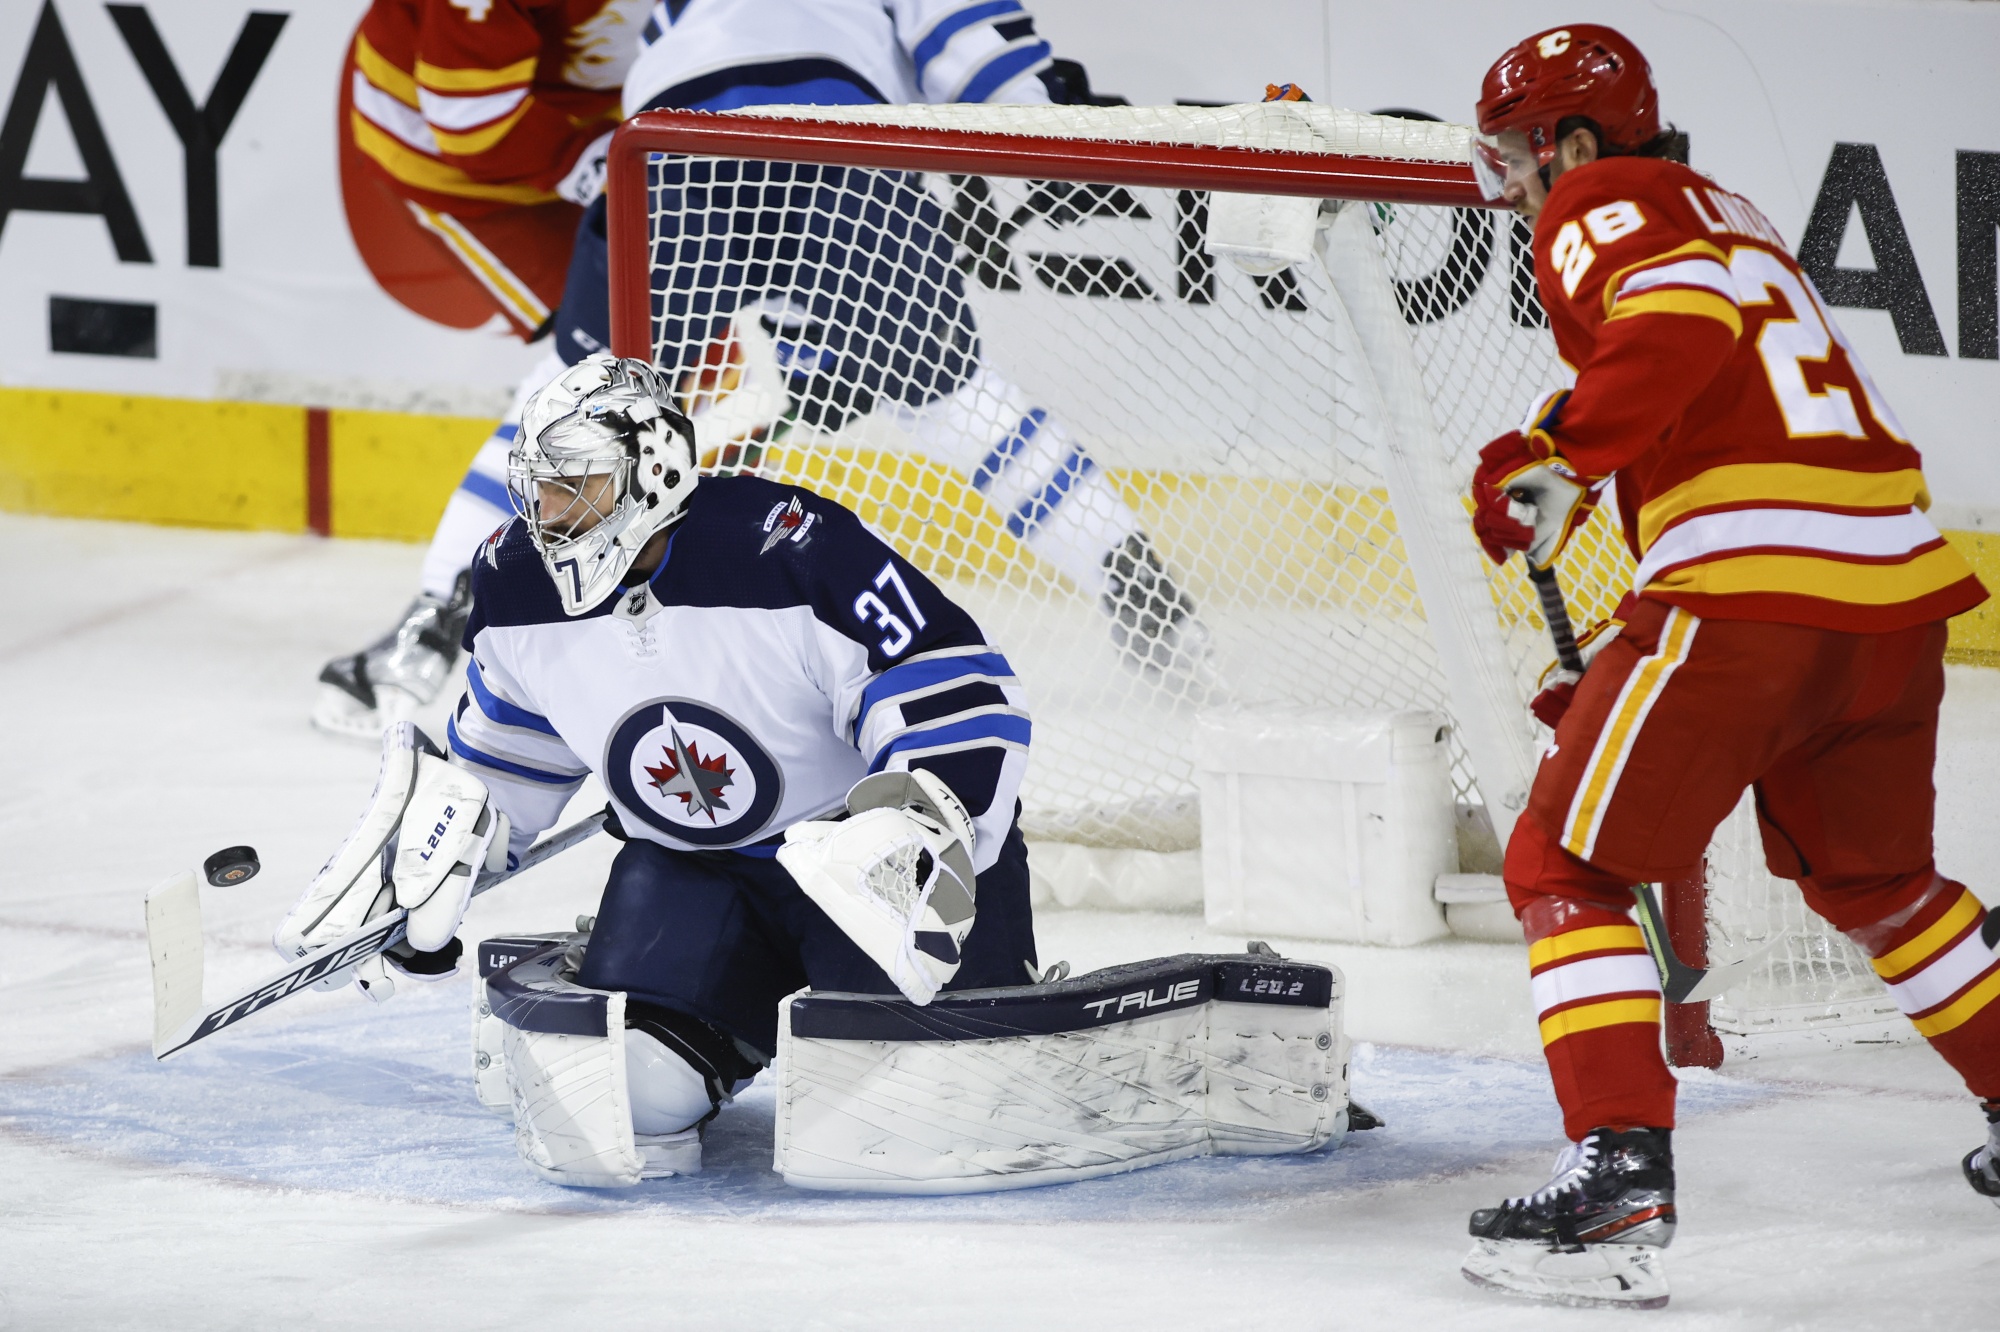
[[231, 865]]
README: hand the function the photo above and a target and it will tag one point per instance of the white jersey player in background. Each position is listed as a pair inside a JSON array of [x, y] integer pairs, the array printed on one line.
[[752, 675], [760, 350]]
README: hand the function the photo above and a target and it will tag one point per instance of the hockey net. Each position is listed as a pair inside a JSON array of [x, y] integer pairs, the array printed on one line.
[[1027, 290]]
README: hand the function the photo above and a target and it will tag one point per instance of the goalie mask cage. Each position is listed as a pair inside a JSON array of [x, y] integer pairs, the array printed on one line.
[[939, 281]]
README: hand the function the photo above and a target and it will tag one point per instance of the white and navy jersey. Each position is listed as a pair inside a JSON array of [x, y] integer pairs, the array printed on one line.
[[780, 653], [717, 55]]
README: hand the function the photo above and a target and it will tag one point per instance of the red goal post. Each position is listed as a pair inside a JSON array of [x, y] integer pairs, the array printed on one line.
[[1026, 157]]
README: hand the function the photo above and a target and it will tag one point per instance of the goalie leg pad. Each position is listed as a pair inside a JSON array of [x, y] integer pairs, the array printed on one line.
[[583, 1114], [1001, 1089]]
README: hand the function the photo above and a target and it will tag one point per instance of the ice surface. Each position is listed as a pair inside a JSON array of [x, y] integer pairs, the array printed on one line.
[[325, 1164]]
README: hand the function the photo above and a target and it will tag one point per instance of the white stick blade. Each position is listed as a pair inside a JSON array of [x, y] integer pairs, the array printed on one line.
[[173, 936]]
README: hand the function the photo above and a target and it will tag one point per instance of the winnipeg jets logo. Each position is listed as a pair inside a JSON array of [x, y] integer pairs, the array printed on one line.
[[692, 773], [698, 782], [787, 522]]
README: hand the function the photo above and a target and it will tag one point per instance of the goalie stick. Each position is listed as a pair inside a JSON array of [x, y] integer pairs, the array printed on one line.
[[1680, 983], [173, 936]]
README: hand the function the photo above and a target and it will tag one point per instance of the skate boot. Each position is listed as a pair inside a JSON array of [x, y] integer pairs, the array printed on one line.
[[1591, 1237], [1153, 622], [361, 695], [1982, 1165]]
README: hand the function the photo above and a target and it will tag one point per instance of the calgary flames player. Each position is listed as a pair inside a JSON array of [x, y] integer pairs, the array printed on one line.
[[1786, 632]]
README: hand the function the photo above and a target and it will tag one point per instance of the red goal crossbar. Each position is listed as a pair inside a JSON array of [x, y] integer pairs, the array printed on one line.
[[1032, 157]]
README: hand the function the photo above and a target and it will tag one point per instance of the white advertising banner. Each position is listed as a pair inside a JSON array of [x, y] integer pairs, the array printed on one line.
[[170, 209]]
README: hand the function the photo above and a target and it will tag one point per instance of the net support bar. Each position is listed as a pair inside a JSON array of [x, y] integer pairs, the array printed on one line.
[[1436, 534]]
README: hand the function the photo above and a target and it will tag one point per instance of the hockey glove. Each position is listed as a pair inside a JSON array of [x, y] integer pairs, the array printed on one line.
[[896, 877], [1525, 496], [448, 838], [1558, 686]]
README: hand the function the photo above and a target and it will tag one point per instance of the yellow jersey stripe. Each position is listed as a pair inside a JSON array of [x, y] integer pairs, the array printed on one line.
[[378, 71], [485, 266], [427, 173], [475, 80], [1589, 1017], [1614, 745], [1681, 301], [1962, 1010], [1943, 930], [478, 141], [1595, 939], [1788, 483], [1693, 249], [1823, 576]]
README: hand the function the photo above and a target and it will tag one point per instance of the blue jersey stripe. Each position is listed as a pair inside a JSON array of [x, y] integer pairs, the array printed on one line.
[[973, 730], [940, 37], [483, 487], [914, 675], [499, 709], [1035, 510], [808, 80], [486, 760], [813, 92], [1002, 68], [1007, 450]]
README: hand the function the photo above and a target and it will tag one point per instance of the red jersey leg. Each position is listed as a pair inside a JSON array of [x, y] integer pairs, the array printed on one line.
[[1596, 990], [1932, 952]]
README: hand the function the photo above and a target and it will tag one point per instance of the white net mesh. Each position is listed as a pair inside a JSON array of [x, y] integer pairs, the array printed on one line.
[[1149, 476]]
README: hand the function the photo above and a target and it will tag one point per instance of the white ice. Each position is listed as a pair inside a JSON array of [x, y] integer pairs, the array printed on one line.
[[325, 1165]]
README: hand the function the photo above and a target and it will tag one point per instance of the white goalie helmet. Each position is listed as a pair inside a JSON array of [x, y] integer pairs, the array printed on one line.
[[604, 461]]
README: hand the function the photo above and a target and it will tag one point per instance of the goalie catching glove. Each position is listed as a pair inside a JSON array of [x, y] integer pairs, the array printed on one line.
[[421, 844], [1525, 496], [896, 876]]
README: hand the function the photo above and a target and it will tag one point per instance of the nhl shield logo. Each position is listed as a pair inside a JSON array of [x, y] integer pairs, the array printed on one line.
[[692, 773]]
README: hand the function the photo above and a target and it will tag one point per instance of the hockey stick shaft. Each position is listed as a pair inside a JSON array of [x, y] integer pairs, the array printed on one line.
[[1681, 983], [375, 936], [1556, 612]]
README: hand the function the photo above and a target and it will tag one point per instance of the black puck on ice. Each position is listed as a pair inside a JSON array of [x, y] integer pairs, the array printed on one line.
[[231, 865]]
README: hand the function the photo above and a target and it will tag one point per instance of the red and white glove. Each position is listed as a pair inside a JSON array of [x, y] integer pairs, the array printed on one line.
[[1558, 686], [1527, 498]]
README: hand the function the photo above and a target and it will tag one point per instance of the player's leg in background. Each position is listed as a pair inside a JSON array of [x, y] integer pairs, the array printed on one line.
[[915, 346], [509, 264], [1848, 814], [361, 693], [859, 310]]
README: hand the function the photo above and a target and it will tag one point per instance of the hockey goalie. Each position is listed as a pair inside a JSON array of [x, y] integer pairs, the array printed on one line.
[[1786, 632], [813, 757]]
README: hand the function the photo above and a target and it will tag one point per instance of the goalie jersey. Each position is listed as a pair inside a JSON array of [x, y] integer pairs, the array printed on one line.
[[780, 653]]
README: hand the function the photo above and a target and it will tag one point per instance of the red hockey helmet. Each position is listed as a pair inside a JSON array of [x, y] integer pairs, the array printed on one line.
[[1585, 69]]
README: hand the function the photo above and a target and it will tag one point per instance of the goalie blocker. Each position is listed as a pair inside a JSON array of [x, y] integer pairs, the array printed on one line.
[[978, 1091]]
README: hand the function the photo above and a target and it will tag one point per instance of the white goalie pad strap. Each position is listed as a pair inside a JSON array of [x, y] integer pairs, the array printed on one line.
[[1003, 1089], [1261, 234], [350, 888], [896, 878]]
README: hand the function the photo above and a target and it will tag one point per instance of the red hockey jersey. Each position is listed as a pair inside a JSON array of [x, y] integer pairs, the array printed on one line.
[[1760, 473], [473, 105]]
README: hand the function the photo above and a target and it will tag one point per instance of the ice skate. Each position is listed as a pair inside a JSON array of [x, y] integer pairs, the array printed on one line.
[[362, 694], [1153, 622], [1591, 1237], [1982, 1164]]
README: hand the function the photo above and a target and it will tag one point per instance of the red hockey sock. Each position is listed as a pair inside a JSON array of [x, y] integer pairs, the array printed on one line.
[[1943, 975], [1597, 992]]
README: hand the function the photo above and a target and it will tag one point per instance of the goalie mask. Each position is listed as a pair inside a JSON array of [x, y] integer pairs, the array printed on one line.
[[603, 463]]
